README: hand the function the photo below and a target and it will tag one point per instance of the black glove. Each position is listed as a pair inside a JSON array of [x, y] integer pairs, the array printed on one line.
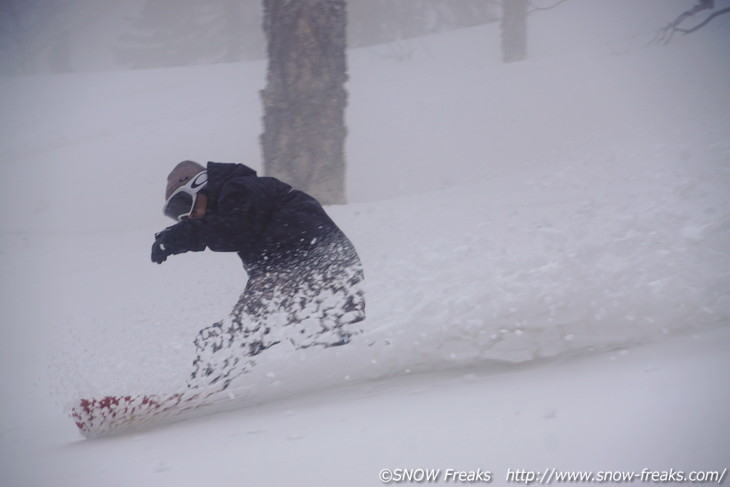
[[181, 237], [161, 248]]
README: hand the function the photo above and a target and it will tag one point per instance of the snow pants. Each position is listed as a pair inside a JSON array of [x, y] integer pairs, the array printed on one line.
[[317, 302]]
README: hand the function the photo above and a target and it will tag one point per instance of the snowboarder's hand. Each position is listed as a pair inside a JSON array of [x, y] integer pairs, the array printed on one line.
[[175, 240], [160, 251]]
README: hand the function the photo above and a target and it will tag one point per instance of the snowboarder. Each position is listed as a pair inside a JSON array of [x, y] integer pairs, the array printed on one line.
[[304, 275]]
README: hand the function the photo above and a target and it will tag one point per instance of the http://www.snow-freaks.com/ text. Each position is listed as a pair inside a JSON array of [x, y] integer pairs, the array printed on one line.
[[549, 476]]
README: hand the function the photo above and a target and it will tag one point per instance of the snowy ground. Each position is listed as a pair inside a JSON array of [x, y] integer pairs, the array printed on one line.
[[547, 249], [657, 407]]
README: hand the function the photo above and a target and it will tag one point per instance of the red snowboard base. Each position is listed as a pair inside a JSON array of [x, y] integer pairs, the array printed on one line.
[[101, 417]]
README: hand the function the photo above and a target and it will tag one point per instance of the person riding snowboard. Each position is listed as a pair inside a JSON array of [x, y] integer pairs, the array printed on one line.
[[304, 276]]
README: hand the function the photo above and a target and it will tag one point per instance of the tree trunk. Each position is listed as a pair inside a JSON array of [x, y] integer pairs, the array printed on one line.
[[304, 99], [514, 30], [232, 28], [21, 59]]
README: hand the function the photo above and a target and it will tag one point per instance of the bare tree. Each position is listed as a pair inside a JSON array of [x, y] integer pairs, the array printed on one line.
[[188, 32], [304, 100], [13, 37], [665, 34], [377, 21], [514, 30], [514, 27], [34, 36]]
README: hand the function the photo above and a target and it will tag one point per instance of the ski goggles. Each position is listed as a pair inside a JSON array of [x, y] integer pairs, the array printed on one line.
[[181, 203]]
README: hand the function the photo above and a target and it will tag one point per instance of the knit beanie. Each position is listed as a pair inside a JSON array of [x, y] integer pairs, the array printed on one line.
[[180, 175]]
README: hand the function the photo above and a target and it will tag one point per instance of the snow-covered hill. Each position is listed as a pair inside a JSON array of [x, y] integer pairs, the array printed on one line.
[[524, 228]]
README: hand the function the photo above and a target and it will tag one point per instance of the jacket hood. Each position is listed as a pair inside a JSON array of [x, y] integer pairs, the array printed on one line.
[[221, 172]]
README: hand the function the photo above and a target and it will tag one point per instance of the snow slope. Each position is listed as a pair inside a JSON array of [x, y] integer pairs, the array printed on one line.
[[524, 229], [659, 407]]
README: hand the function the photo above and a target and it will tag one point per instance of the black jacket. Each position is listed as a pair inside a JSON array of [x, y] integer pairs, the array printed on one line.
[[267, 222]]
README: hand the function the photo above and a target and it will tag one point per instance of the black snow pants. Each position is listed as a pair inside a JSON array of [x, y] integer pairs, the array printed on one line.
[[317, 300]]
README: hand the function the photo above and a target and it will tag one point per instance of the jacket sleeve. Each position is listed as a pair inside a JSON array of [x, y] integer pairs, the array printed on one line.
[[233, 224]]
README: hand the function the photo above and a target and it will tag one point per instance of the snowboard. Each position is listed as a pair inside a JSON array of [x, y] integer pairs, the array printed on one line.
[[113, 414], [311, 310]]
